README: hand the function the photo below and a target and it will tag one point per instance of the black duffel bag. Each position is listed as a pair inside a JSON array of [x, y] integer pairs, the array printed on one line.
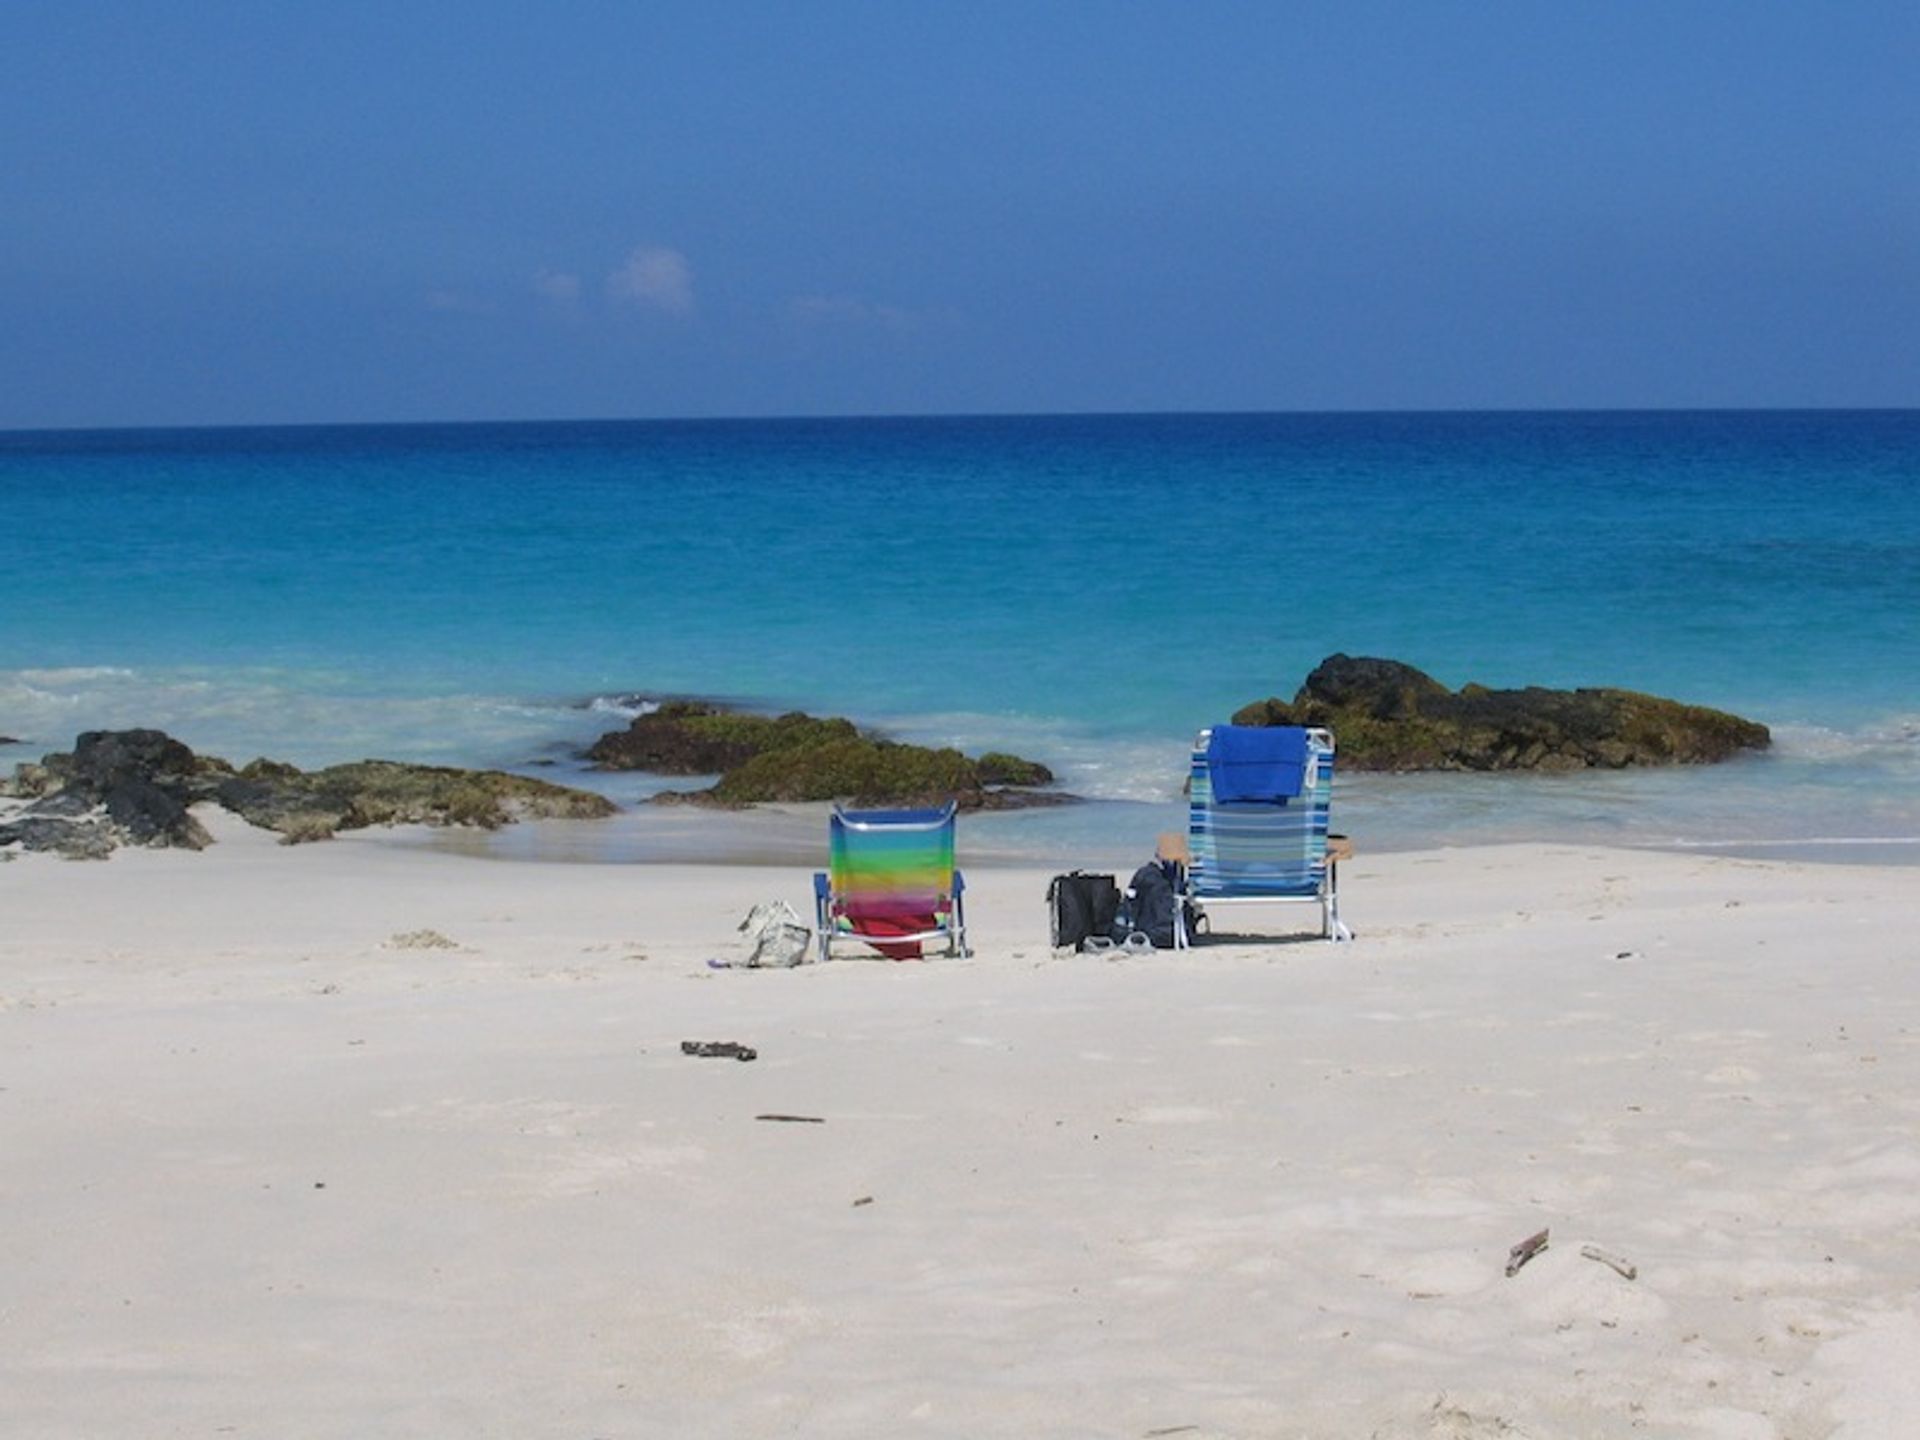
[[1079, 906]]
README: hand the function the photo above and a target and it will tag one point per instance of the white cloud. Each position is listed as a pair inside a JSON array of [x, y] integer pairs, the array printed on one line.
[[557, 286], [657, 277]]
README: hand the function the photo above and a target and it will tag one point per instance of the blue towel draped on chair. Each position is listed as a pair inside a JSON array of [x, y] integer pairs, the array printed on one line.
[[1257, 762]]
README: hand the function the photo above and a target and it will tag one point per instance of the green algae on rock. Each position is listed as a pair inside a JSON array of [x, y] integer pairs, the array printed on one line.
[[308, 805], [691, 737], [1387, 715], [796, 757]]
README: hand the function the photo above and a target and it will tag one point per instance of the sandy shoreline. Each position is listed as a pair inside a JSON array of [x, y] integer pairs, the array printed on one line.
[[269, 1173]]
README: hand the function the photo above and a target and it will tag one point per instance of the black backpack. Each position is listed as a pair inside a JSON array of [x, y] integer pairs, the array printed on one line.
[[1152, 902], [1080, 905]]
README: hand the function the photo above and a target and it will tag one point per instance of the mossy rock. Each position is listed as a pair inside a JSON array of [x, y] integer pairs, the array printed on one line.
[[998, 768], [306, 805], [1390, 716], [796, 757], [691, 738], [861, 770]]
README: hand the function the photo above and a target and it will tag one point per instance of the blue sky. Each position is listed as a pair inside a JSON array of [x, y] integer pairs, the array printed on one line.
[[275, 212]]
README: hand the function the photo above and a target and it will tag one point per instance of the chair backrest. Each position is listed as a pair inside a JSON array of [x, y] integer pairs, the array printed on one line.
[[888, 863], [1253, 848]]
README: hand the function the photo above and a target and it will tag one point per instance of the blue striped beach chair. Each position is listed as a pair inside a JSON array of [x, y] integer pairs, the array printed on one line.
[[1251, 842]]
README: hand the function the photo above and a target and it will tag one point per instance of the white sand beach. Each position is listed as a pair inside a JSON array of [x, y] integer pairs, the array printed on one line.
[[268, 1172]]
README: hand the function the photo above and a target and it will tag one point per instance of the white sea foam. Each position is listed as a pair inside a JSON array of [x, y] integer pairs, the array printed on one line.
[[1888, 738], [623, 707], [69, 675], [301, 718]]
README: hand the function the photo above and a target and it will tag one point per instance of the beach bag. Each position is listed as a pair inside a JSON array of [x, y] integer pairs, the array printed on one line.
[[1080, 906], [776, 938]]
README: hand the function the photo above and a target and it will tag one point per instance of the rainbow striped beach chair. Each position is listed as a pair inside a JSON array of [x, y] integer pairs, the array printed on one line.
[[890, 883], [1257, 821]]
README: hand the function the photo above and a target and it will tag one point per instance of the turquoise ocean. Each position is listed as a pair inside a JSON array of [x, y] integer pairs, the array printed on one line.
[[1087, 591]]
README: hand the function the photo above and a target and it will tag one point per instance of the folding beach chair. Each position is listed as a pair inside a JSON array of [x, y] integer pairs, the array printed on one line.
[[1257, 821], [890, 883]]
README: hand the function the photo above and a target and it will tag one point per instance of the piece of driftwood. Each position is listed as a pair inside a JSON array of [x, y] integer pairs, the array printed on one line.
[[1619, 1264], [1525, 1251], [795, 1119], [723, 1049]]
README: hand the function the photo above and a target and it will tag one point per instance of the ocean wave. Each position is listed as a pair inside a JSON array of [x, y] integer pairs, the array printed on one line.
[[623, 707], [297, 717], [1889, 738], [69, 675]]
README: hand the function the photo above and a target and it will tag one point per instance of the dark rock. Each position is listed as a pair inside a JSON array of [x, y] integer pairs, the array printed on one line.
[[143, 781], [997, 768], [310, 805], [75, 839], [134, 787], [1390, 716], [796, 757], [149, 815], [102, 760], [65, 804], [1016, 799], [11, 740]]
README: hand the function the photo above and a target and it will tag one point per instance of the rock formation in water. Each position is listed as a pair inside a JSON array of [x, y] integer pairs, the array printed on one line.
[[798, 757], [134, 787], [1390, 716]]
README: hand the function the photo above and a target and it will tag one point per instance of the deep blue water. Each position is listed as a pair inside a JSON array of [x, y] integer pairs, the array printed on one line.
[[1089, 590]]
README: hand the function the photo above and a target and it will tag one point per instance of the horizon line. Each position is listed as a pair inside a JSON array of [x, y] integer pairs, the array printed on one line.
[[906, 416]]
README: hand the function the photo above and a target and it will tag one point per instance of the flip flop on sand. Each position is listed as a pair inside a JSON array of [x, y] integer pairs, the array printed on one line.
[[721, 1049]]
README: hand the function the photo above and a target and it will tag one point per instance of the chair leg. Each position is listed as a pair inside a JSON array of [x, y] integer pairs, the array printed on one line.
[[1332, 926], [822, 922]]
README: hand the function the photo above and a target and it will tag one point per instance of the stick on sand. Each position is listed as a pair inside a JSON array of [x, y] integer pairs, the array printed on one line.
[[1525, 1251]]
